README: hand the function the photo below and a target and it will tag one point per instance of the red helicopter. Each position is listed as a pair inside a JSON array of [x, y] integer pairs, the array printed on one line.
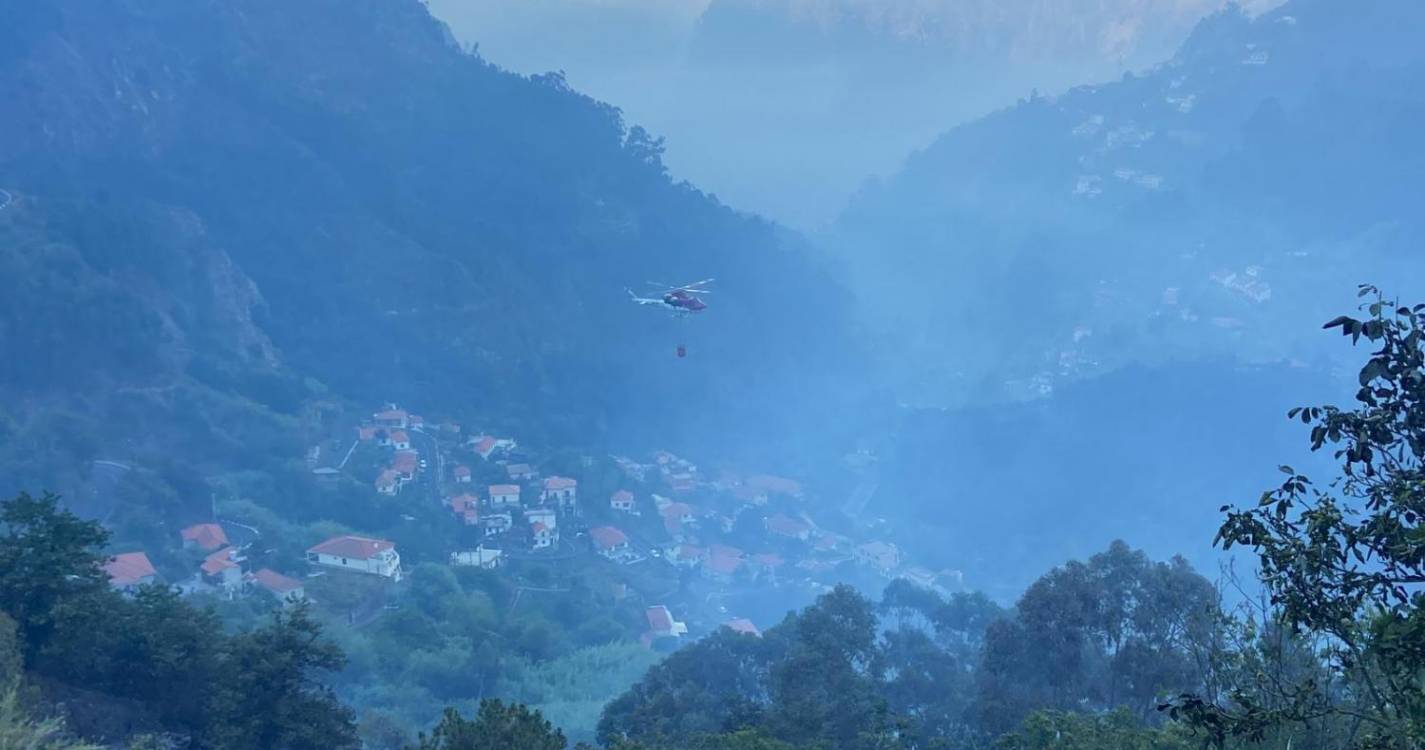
[[682, 301]]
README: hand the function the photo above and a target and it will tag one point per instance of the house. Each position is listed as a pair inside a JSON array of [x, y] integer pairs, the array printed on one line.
[[622, 501], [405, 463], [686, 555], [545, 516], [486, 446], [609, 542], [388, 482], [743, 626], [766, 564], [208, 537], [392, 418], [682, 483], [520, 472], [480, 557], [560, 490], [504, 495], [466, 508], [723, 563], [786, 526], [359, 554], [223, 569], [775, 486], [918, 576], [541, 536], [462, 475], [418, 422], [130, 570], [286, 589], [400, 440], [497, 523], [662, 625], [883, 557], [367, 432]]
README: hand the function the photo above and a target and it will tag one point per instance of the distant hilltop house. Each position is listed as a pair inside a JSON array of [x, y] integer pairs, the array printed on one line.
[[945, 583], [223, 569], [208, 537], [466, 508], [388, 482], [406, 463], [497, 523], [883, 557], [743, 626], [392, 418], [775, 486], [662, 625], [129, 570], [399, 439], [504, 495], [368, 432], [560, 490], [486, 446], [609, 542], [359, 554], [686, 555], [520, 472], [622, 501], [786, 526], [285, 589], [480, 557], [462, 475], [723, 563]]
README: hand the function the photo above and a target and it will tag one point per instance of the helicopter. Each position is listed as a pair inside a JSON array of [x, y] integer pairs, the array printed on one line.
[[679, 300], [682, 301]]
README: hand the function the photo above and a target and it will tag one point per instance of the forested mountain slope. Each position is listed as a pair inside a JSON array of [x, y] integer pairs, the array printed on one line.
[[1196, 210], [224, 211]]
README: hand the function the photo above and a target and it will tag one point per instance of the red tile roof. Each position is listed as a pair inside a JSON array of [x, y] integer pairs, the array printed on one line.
[[462, 503], [786, 526], [660, 620], [462, 471], [387, 479], [744, 626], [538, 528], [607, 537], [208, 536], [358, 547], [776, 485], [276, 582], [218, 562], [405, 461], [485, 445], [560, 483], [400, 436], [129, 568], [622, 496], [366, 432], [504, 489], [677, 511], [725, 564]]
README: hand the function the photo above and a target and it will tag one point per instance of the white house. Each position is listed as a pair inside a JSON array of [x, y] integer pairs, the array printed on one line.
[[622, 501], [462, 475], [223, 569], [520, 472], [541, 536], [480, 557], [662, 625], [286, 589], [560, 490], [609, 542], [497, 523], [389, 482], [392, 418], [359, 554], [545, 516], [883, 557], [400, 440], [504, 495]]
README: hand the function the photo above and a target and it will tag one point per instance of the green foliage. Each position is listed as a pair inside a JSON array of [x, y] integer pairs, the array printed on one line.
[[1344, 563], [48, 558], [496, 726], [20, 732], [269, 697], [1118, 730]]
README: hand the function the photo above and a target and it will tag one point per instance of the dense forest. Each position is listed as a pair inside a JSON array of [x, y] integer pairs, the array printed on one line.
[[1323, 650]]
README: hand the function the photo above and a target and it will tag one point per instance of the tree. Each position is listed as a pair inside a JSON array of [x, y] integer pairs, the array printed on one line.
[[269, 697], [49, 557], [20, 732], [1345, 563], [496, 726], [1118, 730]]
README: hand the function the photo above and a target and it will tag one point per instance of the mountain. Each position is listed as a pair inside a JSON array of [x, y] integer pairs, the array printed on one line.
[[1201, 209], [1131, 32], [229, 218]]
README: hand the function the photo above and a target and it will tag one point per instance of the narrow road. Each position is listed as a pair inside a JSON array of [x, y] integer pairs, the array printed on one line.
[[347, 457], [5, 199]]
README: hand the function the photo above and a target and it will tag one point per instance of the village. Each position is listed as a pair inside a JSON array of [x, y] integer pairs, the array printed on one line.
[[689, 547]]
